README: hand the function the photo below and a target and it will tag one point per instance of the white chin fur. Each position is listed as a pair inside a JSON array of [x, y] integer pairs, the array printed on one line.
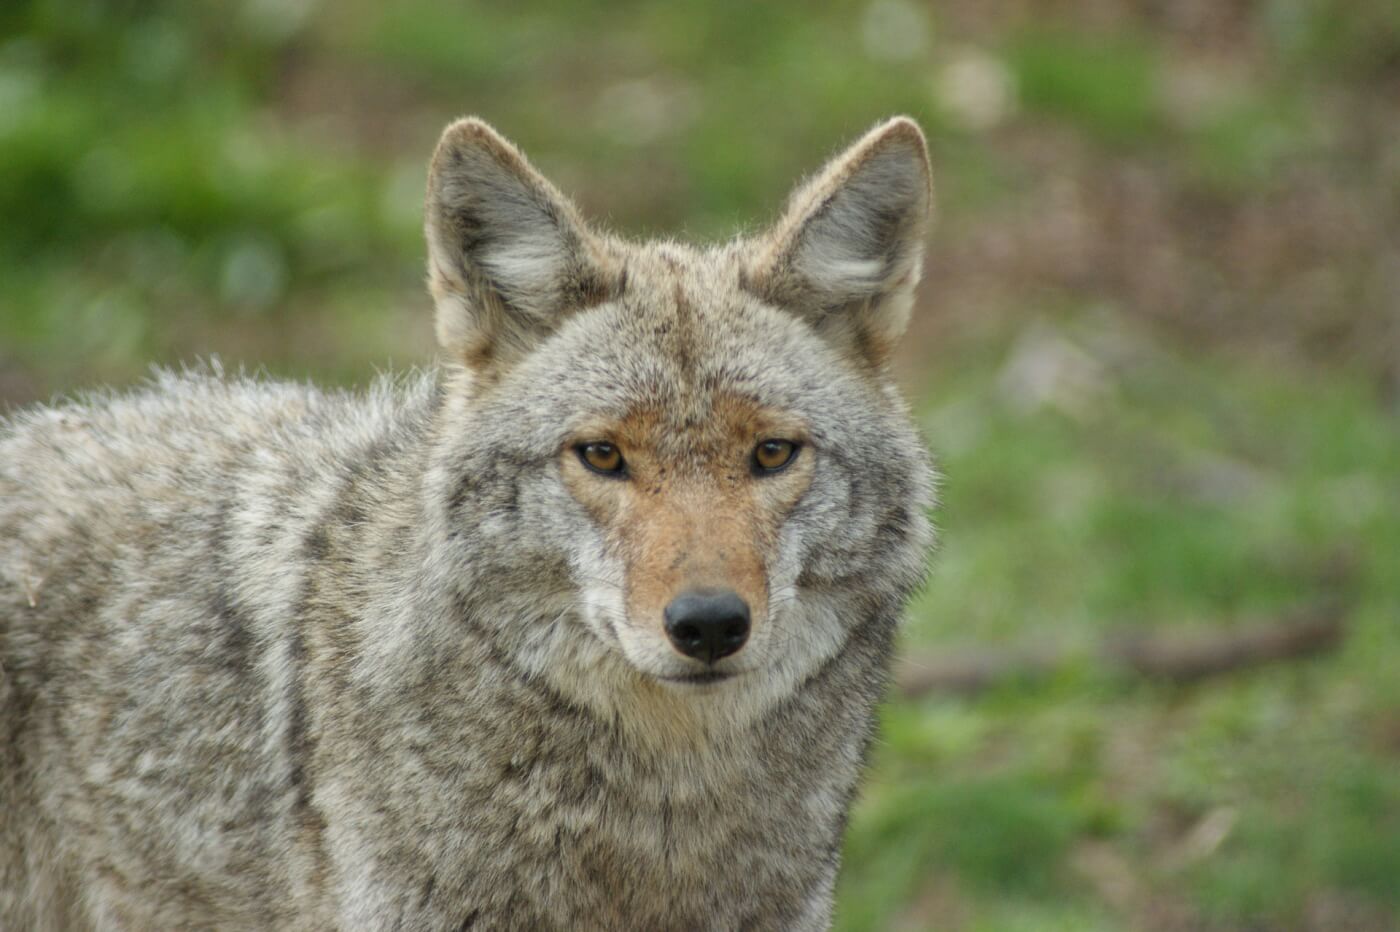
[[797, 636]]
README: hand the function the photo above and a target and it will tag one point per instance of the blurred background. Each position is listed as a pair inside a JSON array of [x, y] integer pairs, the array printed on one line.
[[1154, 682]]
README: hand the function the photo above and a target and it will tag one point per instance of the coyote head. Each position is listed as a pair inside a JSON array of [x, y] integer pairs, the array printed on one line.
[[688, 464]]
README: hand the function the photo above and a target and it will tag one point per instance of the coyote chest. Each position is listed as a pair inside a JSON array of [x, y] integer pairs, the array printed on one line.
[[598, 838]]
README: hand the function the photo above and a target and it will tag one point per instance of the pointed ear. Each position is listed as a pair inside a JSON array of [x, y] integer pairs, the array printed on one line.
[[508, 255], [847, 253]]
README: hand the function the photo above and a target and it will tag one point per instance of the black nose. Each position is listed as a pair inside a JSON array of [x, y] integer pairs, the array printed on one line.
[[707, 624]]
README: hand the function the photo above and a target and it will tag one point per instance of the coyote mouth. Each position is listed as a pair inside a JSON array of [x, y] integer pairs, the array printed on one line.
[[698, 679]]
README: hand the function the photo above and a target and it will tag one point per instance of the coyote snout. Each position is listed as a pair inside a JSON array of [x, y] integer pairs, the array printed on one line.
[[691, 500]]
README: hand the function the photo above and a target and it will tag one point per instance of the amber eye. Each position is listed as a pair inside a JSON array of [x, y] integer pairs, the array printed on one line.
[[602, 458], [772, 455]]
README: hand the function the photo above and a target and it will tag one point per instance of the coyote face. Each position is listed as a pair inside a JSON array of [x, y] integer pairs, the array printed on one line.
[[688, 510], [713, 430]]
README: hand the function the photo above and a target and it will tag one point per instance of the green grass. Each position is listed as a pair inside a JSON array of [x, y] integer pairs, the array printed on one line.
[[1060, 525], [1104, 85], [243, 178]]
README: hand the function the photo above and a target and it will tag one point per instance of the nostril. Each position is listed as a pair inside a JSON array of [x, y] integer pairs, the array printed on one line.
[[707, 624], [688, 634]]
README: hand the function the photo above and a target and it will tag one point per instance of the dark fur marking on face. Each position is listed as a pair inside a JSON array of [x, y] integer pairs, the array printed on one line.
[[684, 336], [894, 527], [503, 471], [611, 626]]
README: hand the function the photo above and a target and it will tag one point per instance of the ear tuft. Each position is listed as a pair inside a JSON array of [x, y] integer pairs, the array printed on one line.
[[848, 252], [508, 255]]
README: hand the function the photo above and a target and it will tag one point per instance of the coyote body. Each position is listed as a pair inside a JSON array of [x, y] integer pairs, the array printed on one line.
[[427, 656]]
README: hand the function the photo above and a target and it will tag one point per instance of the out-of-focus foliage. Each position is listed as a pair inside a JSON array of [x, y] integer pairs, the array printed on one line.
[[1158, 355]]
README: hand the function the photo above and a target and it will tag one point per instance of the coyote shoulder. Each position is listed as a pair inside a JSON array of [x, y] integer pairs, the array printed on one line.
[[583, 629]]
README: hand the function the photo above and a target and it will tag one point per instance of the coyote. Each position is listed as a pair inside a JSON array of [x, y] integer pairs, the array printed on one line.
[[583, 629]]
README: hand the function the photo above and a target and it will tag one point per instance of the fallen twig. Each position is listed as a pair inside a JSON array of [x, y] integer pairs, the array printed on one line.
[[1173, 655]]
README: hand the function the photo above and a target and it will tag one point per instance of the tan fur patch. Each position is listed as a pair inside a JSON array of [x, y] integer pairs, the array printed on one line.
[[691, 513]]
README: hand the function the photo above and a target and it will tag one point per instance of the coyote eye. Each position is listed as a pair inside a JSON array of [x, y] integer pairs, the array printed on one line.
[[602, 458], [770, 456]]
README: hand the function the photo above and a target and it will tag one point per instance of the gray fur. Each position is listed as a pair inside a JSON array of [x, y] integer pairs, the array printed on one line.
[[276, 657]]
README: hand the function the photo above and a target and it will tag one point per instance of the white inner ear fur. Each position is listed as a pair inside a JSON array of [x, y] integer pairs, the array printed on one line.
[[868, 235], [852, 241], [505, 248], [528, 266], [519, 249]]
